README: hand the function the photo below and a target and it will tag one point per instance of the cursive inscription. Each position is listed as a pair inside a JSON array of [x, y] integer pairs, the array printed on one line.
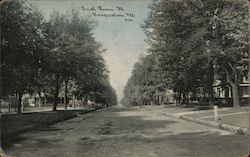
[[115, 12]]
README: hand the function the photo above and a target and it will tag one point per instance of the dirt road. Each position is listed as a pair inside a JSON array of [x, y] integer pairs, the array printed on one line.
[[128, 132]]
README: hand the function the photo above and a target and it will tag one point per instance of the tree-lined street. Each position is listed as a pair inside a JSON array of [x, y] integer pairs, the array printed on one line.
[[64, 66], [121, 132]]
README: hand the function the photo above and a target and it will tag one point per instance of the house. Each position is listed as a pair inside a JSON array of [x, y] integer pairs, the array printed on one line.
[[223, 93]]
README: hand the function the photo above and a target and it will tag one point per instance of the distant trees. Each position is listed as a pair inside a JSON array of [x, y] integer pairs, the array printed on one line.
[[195, 40], [146, 83], [44, 56]]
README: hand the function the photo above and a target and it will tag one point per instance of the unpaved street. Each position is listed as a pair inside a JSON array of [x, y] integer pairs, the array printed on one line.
[[128, 132]]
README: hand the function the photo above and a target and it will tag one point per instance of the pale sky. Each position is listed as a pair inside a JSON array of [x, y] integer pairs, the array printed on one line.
[[124, 40]]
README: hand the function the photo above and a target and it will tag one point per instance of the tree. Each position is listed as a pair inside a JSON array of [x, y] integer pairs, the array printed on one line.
[[146, 83], [22, 48], [75, 55], [40, 56], [195, 40], [232, 33], [168, 30], [226, 39]]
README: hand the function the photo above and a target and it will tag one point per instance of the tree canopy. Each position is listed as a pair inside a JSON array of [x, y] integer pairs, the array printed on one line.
[[193, 42], [41, 55]]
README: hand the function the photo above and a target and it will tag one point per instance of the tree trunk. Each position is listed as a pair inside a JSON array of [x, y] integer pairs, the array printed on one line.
[[236, 99], [158, 98], [45, 100], [55, 100], [235, 86], [0, 132], [0, 107], [35, 100], [204, 96], [152, 99], [9, 103], [179, 98], [211, 83], [86, 101], [16, 102], [74, 104], [56, 92], [183, 98], [161, 98], [227, 95], [141, 103], [66, 93], [187, 98], [211, 95], [19, 105], [39, 100]]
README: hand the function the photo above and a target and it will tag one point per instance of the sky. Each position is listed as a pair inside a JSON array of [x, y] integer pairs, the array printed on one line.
[[124, 40]]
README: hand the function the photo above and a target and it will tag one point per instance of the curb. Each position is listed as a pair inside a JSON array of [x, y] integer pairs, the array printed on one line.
[[234, 129], [226, 127]]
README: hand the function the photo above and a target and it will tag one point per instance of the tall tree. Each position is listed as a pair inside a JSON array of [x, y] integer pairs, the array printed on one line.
[[196, 40], [76, 55], [22, 47]]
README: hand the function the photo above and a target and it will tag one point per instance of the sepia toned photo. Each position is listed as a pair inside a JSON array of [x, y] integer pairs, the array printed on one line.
[[124, 78]]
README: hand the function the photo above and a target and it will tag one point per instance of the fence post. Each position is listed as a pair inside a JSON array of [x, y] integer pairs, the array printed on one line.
[[215, 113]]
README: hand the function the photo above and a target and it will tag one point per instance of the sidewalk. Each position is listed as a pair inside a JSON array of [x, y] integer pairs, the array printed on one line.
[[230, 119], [5, 110], [236, 117], [45, 109]]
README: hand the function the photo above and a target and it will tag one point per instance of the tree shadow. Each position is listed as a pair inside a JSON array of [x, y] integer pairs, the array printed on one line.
[[205, 142]]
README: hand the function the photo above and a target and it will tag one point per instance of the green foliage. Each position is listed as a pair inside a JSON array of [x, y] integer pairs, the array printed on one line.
[[145, 84], [22, 49], [192, 41], [45, 56]]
